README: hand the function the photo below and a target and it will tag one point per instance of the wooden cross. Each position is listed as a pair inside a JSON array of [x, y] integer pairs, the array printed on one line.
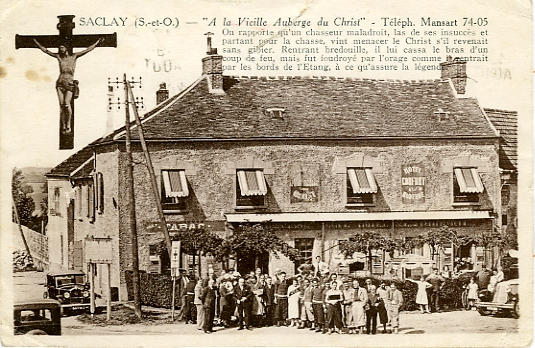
[[65, 27]]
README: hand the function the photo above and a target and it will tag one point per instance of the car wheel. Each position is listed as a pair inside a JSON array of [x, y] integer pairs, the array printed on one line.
[[516, 311], [36, 332], [484, 311], [465, 302]]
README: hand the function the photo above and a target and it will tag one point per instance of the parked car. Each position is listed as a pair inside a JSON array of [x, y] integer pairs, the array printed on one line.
[[70, 289], [504, 298], [37, 317]]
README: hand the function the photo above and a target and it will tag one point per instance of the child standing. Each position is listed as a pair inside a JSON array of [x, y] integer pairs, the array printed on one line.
[[472, 292]]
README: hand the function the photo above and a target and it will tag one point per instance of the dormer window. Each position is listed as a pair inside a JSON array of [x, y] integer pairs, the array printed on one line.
[[442, 115], [275, 112]]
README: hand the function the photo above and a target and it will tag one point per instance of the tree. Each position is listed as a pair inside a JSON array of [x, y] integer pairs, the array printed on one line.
[[366, 242], [256, 239], [193, 241], [21, 196]]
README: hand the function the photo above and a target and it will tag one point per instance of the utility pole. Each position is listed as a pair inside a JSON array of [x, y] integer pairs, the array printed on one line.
[[131, 204], [152, 175]]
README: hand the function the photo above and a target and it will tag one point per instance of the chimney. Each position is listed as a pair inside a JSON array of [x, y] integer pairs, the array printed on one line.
[[455, 69], [162, 94], [212, 66]]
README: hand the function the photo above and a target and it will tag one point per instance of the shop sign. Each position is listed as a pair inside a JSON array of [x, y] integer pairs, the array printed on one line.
[[154, 227], [303, 194], [412, 183]]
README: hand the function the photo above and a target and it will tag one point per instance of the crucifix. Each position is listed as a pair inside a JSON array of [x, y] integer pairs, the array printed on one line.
[[66, 86]]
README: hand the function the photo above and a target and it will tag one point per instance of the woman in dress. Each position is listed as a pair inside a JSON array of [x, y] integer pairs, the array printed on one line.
[[333, 299], [421, 295], [226, 291], [293, 302]]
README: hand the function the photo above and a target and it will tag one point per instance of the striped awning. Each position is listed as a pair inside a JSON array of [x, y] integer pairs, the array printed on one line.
[[175, 183], [252, 182], [468, 180], [362, 180]]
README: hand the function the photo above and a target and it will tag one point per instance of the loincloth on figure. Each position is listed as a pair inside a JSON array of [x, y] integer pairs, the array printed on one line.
[[65, 85]]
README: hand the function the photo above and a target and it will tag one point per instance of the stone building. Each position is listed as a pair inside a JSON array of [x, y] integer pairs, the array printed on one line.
[[321, 158]]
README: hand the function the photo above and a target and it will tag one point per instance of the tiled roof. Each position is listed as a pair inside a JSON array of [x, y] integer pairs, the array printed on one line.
[[506, 123], [86, 171], [316, 108], [72, 163]]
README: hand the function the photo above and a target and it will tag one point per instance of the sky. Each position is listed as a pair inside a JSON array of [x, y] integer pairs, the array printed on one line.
[[29, 113]]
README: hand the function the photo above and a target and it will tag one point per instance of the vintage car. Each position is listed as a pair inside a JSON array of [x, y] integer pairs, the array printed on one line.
[[37, 317], [504, 298], [70, 289]]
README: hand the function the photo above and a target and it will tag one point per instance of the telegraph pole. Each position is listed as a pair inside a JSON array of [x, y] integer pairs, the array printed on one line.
[[152, 175], [131, 203]]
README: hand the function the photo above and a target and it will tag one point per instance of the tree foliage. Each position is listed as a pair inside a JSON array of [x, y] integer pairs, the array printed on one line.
[[436, 240], [257, 239], [21, 196]]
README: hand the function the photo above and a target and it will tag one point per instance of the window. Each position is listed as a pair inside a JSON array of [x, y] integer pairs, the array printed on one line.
[[275, 112], [360, 186], [251, 188], [99, 184], [305, 246], [54, 207], [506, 193], [466, 185], [90, 202], [504, 219], [174, 190], [78, 201]]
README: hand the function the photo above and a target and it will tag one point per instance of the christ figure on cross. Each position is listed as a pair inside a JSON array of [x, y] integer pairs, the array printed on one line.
[[65, 85]]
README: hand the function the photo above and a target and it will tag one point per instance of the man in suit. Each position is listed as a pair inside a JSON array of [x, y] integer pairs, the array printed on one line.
[[183, 281], [243, 296], [269, 297], [208, 303], [396, 301]]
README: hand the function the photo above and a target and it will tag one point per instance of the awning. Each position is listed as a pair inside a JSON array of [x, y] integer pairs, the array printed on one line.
[[252, 182], [362, 180], [175, 183], [375, 216], [469, 181]]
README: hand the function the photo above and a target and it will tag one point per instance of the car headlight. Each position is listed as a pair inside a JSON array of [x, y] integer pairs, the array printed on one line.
[[66, 295], [85, 293]]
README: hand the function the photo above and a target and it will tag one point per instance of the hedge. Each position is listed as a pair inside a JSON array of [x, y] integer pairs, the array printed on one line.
[[156, 291]]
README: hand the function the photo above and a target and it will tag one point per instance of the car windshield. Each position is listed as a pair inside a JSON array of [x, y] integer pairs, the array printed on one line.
[[69, 279]]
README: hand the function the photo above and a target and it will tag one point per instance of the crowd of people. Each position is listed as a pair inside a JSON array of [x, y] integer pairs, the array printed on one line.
[[314, 299]]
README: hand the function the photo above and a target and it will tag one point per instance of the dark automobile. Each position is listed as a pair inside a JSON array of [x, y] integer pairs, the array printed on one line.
[[37, 317], [70, 289], [504, 298]]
